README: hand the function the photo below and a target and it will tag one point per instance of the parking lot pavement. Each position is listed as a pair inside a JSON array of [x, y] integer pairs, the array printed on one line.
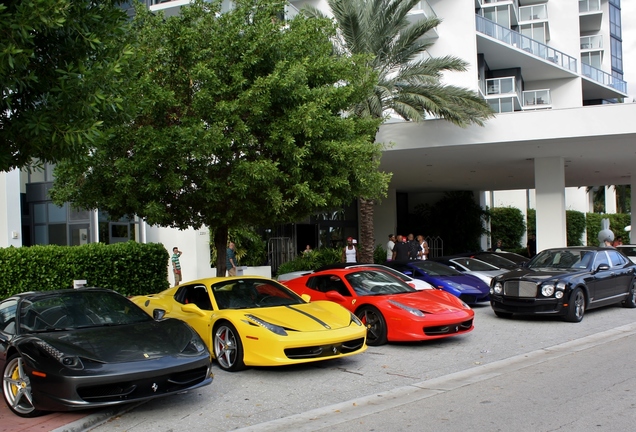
[[259, 395]]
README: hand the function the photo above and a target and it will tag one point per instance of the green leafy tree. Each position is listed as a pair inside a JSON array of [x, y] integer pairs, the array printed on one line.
[[239, 122], [507, 224], [60, 71], [406, 86]]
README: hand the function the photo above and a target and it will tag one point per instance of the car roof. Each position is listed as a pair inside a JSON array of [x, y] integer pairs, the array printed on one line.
[[38, 294]]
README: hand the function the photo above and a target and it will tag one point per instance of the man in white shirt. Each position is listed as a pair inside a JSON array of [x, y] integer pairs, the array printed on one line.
[[424, 245], [389, 247]]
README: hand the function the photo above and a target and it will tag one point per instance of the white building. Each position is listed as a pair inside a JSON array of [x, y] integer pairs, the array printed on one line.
[[547, 67]]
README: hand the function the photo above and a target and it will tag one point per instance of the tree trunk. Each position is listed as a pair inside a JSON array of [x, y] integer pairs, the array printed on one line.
[[366, 245], [220, 243]]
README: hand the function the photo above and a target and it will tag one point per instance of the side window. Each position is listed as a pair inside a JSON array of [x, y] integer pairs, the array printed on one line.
[[7, 316], [329, 283], [196, 294], [601, 258], [616, 259]]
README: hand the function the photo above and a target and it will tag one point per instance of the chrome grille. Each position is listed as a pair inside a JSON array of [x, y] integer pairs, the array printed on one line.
[[520, 289]]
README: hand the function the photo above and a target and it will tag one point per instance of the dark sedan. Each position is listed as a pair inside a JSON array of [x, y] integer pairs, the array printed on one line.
[[87, 348], [566, 282]]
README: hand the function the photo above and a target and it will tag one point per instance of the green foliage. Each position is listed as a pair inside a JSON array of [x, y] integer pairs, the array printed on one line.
[[312, 261], [379, 255], [251, 249], [60, 74], [507, 224], [238, 123], [531, 221], [618, 222], [456, 218], [575, 225], [128, 268]]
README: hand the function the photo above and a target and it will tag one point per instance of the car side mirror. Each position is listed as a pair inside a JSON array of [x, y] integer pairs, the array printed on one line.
[[334, 296], [602, 267], [158, 314], [306, 297], [192, 308]]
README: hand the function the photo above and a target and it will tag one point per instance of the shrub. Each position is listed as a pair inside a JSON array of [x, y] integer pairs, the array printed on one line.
[[312, 260], [575, 225], [618, 222], [128, 268], [507, 224]]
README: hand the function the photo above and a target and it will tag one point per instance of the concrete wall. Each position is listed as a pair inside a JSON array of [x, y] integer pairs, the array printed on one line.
[[10, 218]]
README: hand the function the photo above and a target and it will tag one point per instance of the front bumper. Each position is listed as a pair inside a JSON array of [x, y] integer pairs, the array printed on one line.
[[103, 385], [431, 326], [527, 306]]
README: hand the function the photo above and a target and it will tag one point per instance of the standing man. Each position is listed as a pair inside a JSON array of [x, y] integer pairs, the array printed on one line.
[[415, 249], [389, 247], [176, 265], [424, 245], [532, 245], [350, 252], [230, 259], [401, 249]]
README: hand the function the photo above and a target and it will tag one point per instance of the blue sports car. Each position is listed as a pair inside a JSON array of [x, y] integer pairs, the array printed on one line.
[[469, 288]]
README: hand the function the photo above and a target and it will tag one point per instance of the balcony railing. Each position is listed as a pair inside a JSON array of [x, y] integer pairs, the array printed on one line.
[[519, 41], [533, 13], [603, 78], [592, 42], [536, 99], [422, 7], [490, 2], [589, 6]]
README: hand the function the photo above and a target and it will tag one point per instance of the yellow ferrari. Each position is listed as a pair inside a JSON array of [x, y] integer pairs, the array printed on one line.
[[255, 321]]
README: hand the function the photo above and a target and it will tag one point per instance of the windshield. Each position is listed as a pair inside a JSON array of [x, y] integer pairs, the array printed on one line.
[[253, 293], [370, 282], [562, 259], [78, 309], [496, 260], [473, 264], [436, 269]]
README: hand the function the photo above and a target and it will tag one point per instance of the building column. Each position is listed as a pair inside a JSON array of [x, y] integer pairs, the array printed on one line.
[[10, 217], [610, 199], [484, 241], [549, 181]]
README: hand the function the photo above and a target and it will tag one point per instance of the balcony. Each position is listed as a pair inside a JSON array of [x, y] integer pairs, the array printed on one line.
[[536, 99], [423, 11], [533, 13], [590, 15], [604, 78], [502, 94], [591, 43], [525, 44]]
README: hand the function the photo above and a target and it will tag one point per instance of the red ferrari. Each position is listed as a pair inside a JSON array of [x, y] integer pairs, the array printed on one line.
[[390, 309]]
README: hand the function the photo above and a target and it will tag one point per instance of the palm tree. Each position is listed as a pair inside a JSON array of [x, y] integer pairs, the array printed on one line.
[[407, 85]]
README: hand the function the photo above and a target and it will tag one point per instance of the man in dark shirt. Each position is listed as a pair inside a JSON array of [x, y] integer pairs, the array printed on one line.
[[414, 248], [401, 249]]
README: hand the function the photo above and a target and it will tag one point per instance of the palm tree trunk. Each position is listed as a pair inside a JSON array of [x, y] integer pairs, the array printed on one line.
[[366, 245]]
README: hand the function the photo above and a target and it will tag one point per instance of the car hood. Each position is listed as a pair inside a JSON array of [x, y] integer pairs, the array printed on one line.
[[468, 283], [123, 343], [538, 274], [431, 301], [314, 316]]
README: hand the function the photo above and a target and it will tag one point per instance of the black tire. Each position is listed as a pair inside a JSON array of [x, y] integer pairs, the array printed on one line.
[[630, 301], [576, 306], [228, 349], [375, 324], [16, 388], [503, 314]]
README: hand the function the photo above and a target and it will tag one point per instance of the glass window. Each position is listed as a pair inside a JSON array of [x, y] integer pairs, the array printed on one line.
[[507, 105], [616, 258], [39, 213], [56, 214], [601, 258], [79, 215], [40, 235], [57, 234], [7, 316]]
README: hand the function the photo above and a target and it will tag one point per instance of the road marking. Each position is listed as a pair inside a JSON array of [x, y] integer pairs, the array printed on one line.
[[357, 408]]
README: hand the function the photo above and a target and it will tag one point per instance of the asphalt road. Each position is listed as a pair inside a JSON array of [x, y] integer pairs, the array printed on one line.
[[531, 374]]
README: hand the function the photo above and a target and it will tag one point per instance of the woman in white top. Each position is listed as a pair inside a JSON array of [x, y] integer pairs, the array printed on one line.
[[389, 247]]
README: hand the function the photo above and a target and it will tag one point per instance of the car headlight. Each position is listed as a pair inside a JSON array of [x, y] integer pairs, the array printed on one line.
[[498, 288], [547, 290], [409, 309], [269, 326], [355, 319], [70, 361]]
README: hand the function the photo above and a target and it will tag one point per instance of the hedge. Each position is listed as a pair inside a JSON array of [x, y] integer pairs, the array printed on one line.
[[507, 224], [128, 268], [618, 222]]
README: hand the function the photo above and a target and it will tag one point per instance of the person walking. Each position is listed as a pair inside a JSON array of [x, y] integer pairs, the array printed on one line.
[[176, 265], [350, 252], [230, 259]]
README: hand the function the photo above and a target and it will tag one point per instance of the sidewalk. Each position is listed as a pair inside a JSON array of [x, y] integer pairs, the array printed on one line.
[[75, 421]]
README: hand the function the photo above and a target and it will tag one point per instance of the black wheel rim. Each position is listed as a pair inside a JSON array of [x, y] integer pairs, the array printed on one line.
[[373, 323]]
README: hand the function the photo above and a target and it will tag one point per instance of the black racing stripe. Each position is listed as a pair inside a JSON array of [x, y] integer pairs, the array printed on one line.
[[322, 323]]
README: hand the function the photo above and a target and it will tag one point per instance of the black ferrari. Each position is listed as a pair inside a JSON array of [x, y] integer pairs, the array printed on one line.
[[89, 347], [566, 282]]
